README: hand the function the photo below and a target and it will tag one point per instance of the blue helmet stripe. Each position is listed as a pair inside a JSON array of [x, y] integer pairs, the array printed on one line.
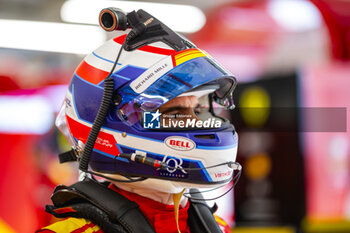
[[102, 58]]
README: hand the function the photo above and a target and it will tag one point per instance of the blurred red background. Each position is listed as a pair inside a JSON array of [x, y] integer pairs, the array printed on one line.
[[306, 64]]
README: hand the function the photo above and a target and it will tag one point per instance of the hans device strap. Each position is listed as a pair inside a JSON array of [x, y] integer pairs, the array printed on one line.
[[200, 215], [113, 212], [106, 208]]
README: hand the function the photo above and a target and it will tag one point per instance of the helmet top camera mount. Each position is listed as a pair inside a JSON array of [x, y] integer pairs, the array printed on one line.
[[148, 28]]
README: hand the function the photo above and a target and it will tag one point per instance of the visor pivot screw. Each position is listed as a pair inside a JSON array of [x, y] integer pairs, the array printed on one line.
[[124, 134], [137, 105], [117, 99], [121, 113]]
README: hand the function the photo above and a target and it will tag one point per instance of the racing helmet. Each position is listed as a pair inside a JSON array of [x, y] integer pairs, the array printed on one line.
[[147, 76]]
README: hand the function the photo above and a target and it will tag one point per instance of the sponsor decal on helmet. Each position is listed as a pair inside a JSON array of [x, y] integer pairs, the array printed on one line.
[[180, 143], [151, 75], [176, 168], [68, 103], [104, 142], [223, 174]]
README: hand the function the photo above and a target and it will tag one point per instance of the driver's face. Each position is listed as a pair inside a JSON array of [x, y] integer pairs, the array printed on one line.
[[184, 105]]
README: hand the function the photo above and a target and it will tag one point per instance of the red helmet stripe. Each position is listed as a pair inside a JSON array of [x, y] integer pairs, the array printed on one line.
[[90, 73], [147, 48], [105, 142]]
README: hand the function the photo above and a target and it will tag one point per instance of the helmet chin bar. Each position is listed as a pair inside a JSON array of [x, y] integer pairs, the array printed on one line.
[[170, 187], [141, 157]]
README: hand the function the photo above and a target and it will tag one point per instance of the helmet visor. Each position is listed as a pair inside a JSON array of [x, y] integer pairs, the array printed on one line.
[[186, 77]]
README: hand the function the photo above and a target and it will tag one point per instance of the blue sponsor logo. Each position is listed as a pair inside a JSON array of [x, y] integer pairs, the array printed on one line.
[[68, 103], [151, 120], [176, 168]]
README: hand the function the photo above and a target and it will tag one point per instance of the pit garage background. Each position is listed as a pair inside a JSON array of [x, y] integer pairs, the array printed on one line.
[[291, 59]]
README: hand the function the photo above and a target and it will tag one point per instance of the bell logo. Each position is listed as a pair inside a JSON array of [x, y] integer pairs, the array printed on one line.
[[179, 143]]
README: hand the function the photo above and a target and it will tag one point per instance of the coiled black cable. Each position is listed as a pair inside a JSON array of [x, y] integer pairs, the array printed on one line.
[[106, 100], [100, 117]]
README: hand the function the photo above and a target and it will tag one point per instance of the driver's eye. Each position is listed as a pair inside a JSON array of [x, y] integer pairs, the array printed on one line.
[[173, 113], [197, 110]]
